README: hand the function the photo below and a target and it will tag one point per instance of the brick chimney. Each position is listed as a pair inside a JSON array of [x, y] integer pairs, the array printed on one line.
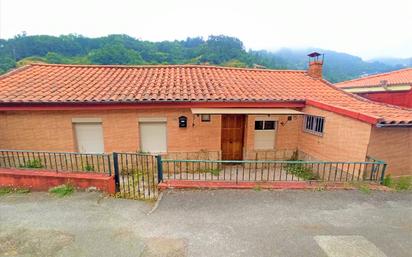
[[315, 65]]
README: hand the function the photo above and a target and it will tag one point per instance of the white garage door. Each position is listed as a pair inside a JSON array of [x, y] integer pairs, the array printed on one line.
[[153, 137], [89, 137]]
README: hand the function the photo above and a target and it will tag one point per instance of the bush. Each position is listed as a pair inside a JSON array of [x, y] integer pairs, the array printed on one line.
[[299, 170], [32, 164]]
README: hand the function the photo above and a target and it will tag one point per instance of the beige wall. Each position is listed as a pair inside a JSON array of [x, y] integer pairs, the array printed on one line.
[[393, 145], [344, 139]]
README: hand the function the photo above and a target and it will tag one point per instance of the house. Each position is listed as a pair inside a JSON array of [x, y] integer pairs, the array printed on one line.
[[393, 87], [236, 113]]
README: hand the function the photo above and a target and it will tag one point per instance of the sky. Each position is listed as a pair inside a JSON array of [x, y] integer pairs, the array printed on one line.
[[366, 28]]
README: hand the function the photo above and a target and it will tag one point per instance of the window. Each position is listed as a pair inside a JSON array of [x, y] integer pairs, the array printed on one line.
[[314, 124], [89, 137], [205, 117], [265, 134], [265, 125]]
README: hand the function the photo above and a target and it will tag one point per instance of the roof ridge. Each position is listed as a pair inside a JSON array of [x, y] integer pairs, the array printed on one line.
[[373, 76], [158, 66]]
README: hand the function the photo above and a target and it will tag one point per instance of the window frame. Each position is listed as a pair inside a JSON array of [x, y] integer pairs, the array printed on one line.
[[205, 120], [314, 124], [264, 125]]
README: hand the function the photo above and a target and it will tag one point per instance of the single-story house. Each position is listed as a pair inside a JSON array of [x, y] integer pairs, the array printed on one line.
[[238, 113], [393, 87]]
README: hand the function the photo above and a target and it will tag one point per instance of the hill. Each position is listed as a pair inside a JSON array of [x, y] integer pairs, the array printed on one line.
[[215, 50]]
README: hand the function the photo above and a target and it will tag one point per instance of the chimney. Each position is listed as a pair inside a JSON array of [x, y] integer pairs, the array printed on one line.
[[315, 65]]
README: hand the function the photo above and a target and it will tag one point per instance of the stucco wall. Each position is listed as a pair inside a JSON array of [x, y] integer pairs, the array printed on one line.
[[344, 139], [393, 145]]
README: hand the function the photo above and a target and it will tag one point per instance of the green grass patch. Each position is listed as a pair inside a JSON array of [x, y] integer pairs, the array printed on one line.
[[32, 164], [364, 188], [399, 184], [5, 190], [62, 190], [9, 190]]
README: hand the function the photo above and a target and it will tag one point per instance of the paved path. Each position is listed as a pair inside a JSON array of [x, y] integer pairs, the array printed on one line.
[[209, 223]]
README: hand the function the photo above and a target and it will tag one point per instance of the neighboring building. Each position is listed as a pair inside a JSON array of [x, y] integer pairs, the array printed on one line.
[[392, 88], [236, 113]]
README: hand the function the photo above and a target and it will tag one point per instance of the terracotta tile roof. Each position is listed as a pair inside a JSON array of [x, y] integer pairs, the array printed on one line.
[[47, 83], [399, 77]]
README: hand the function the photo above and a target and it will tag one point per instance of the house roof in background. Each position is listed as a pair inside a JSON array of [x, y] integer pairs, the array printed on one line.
[[399, 77], [82, 84]]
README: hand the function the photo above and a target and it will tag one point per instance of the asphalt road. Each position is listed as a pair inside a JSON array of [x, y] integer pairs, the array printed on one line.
[[209, 223]]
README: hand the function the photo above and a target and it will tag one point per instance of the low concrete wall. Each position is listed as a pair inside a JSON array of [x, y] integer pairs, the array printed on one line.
[[43, 180]]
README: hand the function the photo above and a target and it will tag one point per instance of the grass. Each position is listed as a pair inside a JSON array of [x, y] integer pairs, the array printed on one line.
[[62, 190], [399, 184], [364, 188], [257, 188], [9, 190], [5, 190]]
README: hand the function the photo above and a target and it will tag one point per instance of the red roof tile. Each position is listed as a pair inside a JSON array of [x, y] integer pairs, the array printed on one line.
[[399, 77], [47, 83]]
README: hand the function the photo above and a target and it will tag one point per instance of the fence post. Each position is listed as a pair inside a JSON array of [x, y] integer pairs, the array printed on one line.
[[116, 171], [159, 168], [383, 172]]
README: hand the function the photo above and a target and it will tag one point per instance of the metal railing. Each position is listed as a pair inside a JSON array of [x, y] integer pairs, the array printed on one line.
[[263, 171], [56, 161], [136, 175]]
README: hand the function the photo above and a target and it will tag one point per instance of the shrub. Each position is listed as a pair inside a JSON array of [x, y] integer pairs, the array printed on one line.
[[88, 167], [32, 164], [299, 170]]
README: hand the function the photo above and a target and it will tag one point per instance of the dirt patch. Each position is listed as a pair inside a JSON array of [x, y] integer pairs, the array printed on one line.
[[24, 242], [164, 247]]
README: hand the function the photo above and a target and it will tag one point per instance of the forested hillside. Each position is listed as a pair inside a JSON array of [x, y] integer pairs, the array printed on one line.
[[215, 50]]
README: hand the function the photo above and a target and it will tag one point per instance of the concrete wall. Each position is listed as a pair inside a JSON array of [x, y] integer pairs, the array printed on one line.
[[344, 139], [393, 145]]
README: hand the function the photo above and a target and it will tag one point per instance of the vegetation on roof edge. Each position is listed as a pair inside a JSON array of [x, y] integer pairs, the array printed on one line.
[[215, 50]]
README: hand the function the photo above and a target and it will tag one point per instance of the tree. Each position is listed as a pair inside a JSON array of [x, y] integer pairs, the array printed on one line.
[[115, 54]]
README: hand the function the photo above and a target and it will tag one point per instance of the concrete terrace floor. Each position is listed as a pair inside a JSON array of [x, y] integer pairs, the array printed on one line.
[[209, 223]]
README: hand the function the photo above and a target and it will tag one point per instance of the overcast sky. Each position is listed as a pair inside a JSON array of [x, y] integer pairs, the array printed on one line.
[[367, 28]]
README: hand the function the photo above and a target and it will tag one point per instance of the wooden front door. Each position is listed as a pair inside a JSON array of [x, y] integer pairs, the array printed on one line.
[[232, 137]]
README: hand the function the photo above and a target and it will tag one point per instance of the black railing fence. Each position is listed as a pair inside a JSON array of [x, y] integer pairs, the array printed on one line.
[[263, 171], [138, 174], [56, 161]]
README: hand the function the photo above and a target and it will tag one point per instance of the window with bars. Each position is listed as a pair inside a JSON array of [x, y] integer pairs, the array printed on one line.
[[314, 124]]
